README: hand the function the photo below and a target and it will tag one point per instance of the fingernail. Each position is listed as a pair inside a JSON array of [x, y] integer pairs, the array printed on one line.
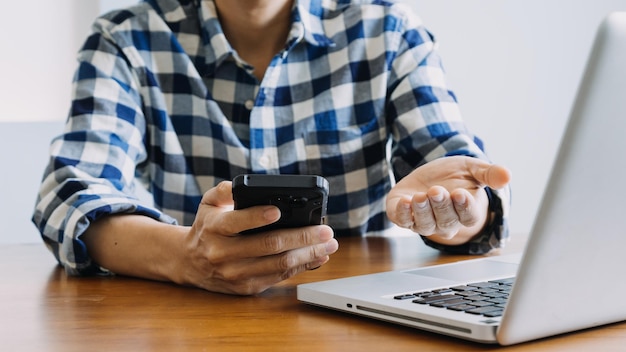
[[460, 199], [332, 246], [420, 205], [271, 213], [437, 197], [325, 233]]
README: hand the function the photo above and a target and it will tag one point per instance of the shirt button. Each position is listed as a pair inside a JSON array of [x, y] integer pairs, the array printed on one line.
[[249, 104]]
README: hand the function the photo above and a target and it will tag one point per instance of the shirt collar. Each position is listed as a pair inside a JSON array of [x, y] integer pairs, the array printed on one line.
[[309, 13], [307, 25], [172, 11], [217, 48]]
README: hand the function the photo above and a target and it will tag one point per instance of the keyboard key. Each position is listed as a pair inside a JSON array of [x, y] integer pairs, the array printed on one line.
[[488, 290], [507, 281], [497, 295], [461, 307], [436, 298], [403, 297], [483, 310], [478, 298], [499, 300], [449, 303], [463, 288], [483, 284], [482, 303], [468, 293], [494, 313]]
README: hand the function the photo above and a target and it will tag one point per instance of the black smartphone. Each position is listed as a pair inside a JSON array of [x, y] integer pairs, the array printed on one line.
[[302, 199]]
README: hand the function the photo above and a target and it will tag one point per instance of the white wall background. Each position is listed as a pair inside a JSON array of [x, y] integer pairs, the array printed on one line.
[[514, 65], [39, 40]]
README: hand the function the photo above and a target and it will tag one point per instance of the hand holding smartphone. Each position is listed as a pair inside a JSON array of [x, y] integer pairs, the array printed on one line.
[[302, 199]]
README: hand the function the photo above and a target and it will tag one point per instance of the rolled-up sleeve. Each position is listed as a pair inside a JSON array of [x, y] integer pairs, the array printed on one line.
[[92, 166]]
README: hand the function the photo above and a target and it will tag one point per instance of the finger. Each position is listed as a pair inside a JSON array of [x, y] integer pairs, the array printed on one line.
[[256, 284], [279, 241], [401, 214], [246, 256], [255, 275], [423, 219], [215, 213], [492, 175], [445, 214], [220, 195], [241, 220], [284, 265], [294, 261], [465, 207]]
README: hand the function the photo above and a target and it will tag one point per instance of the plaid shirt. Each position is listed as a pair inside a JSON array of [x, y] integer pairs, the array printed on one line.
[[357, 95]]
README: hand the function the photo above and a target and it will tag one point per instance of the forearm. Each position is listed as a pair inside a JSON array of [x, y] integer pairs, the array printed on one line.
[[136, 245]]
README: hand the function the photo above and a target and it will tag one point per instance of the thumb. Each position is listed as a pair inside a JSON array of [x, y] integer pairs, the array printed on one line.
[[491, 175]]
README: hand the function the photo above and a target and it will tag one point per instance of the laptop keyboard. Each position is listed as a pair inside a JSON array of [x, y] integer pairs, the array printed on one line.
[[479, 298]]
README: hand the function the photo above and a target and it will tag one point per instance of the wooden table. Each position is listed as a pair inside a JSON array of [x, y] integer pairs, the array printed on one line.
[[42, 309]]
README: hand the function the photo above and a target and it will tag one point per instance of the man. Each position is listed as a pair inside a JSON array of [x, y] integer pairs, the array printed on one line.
[[184, 95]]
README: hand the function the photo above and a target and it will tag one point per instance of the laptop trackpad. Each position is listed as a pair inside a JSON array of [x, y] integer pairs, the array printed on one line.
[[471, 270]]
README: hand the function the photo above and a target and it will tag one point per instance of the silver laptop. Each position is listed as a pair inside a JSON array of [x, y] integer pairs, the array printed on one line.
[[571, 274]]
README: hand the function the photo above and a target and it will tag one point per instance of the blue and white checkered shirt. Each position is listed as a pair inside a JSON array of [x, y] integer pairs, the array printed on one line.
[[358, 96]]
